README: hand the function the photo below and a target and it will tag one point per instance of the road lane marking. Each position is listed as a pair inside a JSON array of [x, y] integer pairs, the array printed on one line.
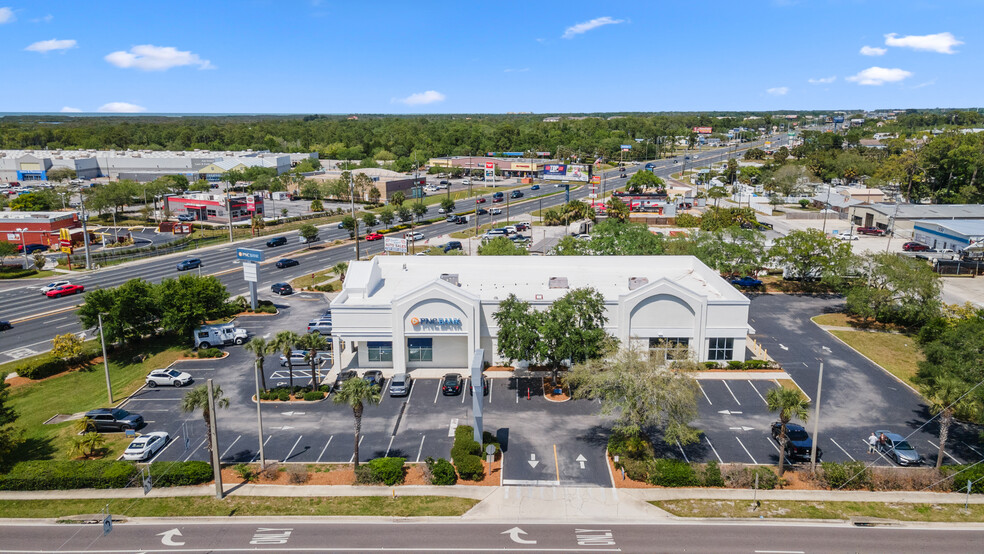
[[228, 448], [704, 393], [714, 450], [299, 437], [318, 461], [746, 450], [421, 449], [685, 458], [352, 459], [66, 325], [944, 452], [773, 443], [752, 384], [732, 393], [846, 453]]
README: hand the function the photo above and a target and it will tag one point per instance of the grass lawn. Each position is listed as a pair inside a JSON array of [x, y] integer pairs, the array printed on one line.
[[470, 232], [823, 510], [79, 391], [309, 281], [402, 506], [897, 353], [841, 319]]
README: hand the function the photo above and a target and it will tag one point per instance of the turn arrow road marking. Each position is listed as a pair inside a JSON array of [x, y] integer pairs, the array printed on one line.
[[727, 412], [533, 463], [581, 459], [514, 534], [167, 537], [742, 428]]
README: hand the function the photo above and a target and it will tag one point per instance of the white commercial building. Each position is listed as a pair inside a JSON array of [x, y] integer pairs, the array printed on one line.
[[408, 312]]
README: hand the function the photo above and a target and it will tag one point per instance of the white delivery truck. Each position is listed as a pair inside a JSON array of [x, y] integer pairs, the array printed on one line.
[[208, 336]]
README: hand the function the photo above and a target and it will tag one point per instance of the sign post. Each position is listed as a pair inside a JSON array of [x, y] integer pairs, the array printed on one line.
[[251, 270], [478, 391]]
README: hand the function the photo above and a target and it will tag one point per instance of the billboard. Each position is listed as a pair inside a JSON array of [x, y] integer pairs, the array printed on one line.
[[567, 172], [703, 130], [626, 147], [395, 244]]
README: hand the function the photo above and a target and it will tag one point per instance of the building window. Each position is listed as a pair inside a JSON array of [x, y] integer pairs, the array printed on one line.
[[379, 351], [666, 348], [211, 213], [420, 350], [721, 349]]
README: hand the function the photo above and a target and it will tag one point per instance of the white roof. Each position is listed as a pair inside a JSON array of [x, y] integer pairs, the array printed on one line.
[[492, 278]]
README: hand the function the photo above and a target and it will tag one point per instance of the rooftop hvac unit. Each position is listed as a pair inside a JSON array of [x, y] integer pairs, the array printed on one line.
[[557, 283], [451, 278], [636, 282]]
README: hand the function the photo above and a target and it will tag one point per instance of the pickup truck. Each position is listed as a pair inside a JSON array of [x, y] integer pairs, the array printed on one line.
[[871, 231]]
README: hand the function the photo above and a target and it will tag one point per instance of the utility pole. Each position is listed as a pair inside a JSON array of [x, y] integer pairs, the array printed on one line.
[[259, 415], [816, 421], [109, 386], [356, 226], [85, 232], [213, 439], [229, 212]]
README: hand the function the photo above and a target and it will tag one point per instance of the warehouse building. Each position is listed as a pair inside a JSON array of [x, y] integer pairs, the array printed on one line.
[[956, 235], [204, 206], [902, 217], [408, 312]]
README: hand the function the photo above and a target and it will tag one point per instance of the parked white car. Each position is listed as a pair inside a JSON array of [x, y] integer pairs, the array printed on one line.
[[145, 446], [848, 236], [168, 378], [52, 286]]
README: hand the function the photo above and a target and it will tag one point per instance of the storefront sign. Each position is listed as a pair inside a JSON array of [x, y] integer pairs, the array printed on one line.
[[438, 321]]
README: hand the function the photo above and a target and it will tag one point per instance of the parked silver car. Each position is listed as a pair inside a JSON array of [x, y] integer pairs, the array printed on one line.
[[400, 384], [897, 448]]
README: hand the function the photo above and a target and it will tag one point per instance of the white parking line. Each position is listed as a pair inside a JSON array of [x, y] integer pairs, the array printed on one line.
[[352, 459], [773, 443], [685, 458], [746, 450], [195, 450], [257, 455], [972, 448], [388, 446], [421, 449], [704, 393], [491, 382], [323, 449], [299, 437], [438, 391], [846, 453], [169, 443], [226, 451], [944, 452], [732, 394], [757, 392], [714, 450]]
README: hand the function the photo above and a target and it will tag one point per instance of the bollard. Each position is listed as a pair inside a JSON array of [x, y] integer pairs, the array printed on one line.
[[527, 393]]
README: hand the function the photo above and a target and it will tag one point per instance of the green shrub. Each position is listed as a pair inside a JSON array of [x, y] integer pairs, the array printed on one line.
[[245, 472], [441, 471], [973, 473], [364, 476], [629, 445], [487, 439], [848, 475], [71, 474], [16, 273], [635, 469], [687, 220], [756, 364], [672, 473], [735, 364], [470, 467], [388, 470], [43, 367], [464, 432], [283, 396], [314, 395], [710, 475], [178, 474], [325, 388], [712, 365], [210, 353], [737, 477]]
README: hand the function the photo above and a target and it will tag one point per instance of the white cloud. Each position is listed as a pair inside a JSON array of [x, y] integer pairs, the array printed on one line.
[[156, 58], [121, 107], [49, 45], [822, 81], [586, 26], [69, 109], [879, 76], [7, 15], [931, 82], [777, 91], [45, 19], [940, 42], [419, 98], [873, 51]]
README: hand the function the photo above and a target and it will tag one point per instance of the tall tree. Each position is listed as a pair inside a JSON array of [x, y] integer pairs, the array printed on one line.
[[397, 198], [313, 343], [260, 348], [191, 301], [387, 216], [810, 252], [130, 311], [285, 341], [787, 403], [419, 210], [356, 393], [197, 399], [369, 220], [948, 396], [900, 290], [501, 246]]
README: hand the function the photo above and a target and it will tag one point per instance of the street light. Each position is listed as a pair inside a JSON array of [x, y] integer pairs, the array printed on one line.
[[102, 339], [816, 414], [24, 245], [259, 415]]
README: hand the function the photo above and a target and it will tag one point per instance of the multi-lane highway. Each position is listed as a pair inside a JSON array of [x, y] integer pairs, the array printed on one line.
[[37, 319]]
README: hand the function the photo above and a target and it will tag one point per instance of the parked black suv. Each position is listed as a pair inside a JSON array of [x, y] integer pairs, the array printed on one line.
[[113, 419], [516, 194], [344, 376]]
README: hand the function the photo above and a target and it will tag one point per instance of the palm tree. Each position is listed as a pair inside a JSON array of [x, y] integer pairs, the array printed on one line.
[[84, 425], [788, 403], [946, 397], [197, 398], [313, 342], [260, 347], [340, 269], [285, 341], [354, 392], [86, 445]]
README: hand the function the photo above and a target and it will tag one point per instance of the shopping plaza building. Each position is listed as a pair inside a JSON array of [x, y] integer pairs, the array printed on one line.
[[409, 312]]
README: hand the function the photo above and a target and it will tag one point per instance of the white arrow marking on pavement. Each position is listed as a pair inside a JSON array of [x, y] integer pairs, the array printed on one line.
[[291, 413], [784, 347], [742, 428], [727, 412], [581, 459], [514, 534], [533, 463], [167, 537], [285, 427]]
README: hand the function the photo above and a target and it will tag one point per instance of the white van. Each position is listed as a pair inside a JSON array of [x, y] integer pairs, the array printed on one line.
[[208, 336]]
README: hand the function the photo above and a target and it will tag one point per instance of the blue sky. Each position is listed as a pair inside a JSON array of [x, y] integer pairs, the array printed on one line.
[[328, 56]]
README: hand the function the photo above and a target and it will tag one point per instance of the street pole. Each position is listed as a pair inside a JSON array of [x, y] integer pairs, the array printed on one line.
[[229, 213], [259, 415], [85, 232], [109, 386], [816, 422], [356, 226], [214, 440], [24, 245], [116, 231]]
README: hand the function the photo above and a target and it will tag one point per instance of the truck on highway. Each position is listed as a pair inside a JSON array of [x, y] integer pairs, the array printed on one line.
[[225, 334]]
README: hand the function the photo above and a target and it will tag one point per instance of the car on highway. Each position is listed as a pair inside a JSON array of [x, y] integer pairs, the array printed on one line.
[[516, 194], [441, 210], [281, 288], [480, 200], [481, 211], [168, 378], [52, 286], [341, 224], [915, 247], [373, 377], [276, 241], [535, 187], [871, 231], [144, 447], [286, 262], [451, 384], [344, 376], [400, 384], [65, 290], [112, 419], [747, 281], [496, 211], [452, 245], [799, 444], [190, 263], [498, 199], [374, 236], [186, 217], [414, 235], [4, 325], [848, 236], [897, 448]]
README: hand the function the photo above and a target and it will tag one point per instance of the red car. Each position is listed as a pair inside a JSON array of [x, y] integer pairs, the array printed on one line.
[[374, 236], [497, 200], [65, 290], [908, 247], [871, 231], [479, 200]]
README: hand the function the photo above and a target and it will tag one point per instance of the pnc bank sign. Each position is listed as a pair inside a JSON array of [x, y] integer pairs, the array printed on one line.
[[436, 321]]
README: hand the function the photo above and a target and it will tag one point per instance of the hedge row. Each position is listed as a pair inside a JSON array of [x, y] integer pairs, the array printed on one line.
[[749, 364], [100, 474], [388, 471], [46, 365]]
